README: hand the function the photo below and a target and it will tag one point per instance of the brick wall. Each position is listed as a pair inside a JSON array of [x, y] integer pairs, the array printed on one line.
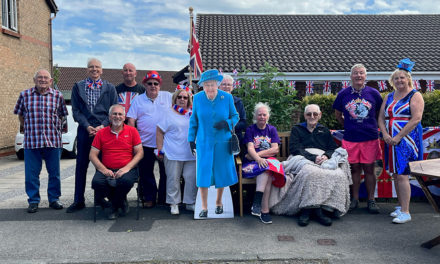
[[21, 58]]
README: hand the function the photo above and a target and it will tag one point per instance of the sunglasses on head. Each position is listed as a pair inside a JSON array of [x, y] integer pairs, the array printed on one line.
[[315, 114], [182, 97], [153, 83]]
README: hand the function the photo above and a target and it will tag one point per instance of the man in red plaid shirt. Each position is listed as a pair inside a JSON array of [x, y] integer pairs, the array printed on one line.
[[40, 110]]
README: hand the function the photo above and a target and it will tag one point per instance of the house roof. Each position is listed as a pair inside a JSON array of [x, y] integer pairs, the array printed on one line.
[[52, 5], [319, 43], [70, 75]]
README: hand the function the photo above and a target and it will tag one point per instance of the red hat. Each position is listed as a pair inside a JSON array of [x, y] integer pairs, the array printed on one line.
[[152, 75]]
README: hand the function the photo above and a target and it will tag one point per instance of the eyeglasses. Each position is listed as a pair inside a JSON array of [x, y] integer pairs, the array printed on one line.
[[117, 114], [182, 97], [226, 84], [153, 83], [315, 114]]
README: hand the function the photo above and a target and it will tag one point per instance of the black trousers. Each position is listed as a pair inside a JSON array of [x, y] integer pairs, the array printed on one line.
[[148, 181], [117, 194]]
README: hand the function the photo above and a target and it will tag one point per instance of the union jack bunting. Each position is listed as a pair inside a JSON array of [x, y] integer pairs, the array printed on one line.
[[254, 84], [220, 70], [326, 89], [382, 85], [126, 98], [196, 56], [416, 84], [292, 85], [235, 72], [309, 87], [430, 85], [236, 84], [345, 84]]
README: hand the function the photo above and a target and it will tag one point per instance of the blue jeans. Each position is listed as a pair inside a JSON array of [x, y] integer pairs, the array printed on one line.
[[33, 161]]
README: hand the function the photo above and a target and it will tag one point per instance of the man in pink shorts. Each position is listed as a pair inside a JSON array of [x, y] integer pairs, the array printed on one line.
[[356, 108]]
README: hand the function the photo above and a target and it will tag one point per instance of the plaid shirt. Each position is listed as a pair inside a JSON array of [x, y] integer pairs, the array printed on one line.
[[93, 92], [42, 117]]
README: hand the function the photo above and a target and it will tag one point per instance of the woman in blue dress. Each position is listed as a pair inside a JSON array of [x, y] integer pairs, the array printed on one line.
[[213, 118], [399, 121]]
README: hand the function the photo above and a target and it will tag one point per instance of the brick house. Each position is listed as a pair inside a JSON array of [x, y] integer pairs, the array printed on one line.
[[25, 47]]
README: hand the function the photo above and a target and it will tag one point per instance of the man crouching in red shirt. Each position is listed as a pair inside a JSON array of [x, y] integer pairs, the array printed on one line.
[[121, 149]]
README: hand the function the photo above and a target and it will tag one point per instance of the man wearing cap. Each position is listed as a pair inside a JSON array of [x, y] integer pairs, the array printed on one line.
[[91, 101], [148, 109], [129, 88]]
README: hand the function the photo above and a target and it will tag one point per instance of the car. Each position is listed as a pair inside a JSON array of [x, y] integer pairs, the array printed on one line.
[[68, 137]]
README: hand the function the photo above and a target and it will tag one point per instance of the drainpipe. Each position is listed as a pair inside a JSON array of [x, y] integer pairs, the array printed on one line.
[[50, 43]]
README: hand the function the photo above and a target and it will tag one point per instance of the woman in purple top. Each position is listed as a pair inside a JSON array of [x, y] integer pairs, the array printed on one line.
[[262, 142], [357, 108]]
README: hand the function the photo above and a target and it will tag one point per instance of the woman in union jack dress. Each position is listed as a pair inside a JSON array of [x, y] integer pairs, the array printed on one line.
[[399, 121]]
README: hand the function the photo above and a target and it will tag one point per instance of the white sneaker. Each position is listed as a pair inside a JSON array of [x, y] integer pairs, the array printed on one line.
[[402, 218], [190, 207], [174, 209], [396, 212]]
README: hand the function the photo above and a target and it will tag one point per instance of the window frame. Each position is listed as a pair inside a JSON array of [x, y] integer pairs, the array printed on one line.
[[9, 15]]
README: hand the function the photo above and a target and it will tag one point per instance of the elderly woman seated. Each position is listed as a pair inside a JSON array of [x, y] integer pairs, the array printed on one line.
[[317, 172], [262, 146]]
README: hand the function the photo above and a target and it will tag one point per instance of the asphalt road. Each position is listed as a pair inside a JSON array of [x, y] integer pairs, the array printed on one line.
[[50, 236]]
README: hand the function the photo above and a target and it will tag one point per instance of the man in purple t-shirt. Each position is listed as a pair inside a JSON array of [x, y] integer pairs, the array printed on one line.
[[356, 108]]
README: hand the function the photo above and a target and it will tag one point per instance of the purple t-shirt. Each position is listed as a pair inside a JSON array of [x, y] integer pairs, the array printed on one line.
[[360, 112], [262, 138]]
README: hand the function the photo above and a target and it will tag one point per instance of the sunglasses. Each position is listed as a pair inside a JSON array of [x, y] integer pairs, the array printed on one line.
[[153, 83], [182, 97], [315, 114]]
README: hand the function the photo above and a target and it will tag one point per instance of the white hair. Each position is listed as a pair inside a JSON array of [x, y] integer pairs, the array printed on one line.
[[93, 59], [257, 107], [307, 106], [358, 65], [227, 76], [37, 72], [114, 106]]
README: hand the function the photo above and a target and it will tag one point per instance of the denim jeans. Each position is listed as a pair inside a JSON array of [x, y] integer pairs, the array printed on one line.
[[33, 161]]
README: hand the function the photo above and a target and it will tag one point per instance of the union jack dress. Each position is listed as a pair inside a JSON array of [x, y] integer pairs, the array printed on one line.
[[410, 148]]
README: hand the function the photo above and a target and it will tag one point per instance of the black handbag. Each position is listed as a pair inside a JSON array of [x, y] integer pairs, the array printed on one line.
[[234, 144]]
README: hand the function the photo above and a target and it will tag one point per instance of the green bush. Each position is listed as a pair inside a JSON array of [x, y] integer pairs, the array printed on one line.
[[281, 99], [325, 102], [431, 114]]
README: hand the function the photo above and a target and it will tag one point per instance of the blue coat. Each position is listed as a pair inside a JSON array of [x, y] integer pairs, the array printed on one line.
[[215, 163]]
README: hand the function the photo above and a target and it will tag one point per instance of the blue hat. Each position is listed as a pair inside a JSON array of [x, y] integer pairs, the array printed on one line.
[[210, 75], [406, 64]]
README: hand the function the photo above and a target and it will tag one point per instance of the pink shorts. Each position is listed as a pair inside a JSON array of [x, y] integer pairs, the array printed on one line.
[[363, 152]]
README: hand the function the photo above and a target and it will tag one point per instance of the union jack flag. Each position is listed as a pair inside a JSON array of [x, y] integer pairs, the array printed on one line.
[[345, 84], [326, 89], [292, 85], [382, 85], [237, 84], [126, 98], [235, 72], [196, 56], [416, 84], [430, 86], [309, 87], [254, 84]]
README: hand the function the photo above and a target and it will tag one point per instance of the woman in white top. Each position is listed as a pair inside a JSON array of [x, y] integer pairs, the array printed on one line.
[[173, 148]]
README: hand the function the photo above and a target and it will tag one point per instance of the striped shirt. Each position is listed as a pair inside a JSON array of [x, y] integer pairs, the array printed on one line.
[[42, 114], [93, 92]]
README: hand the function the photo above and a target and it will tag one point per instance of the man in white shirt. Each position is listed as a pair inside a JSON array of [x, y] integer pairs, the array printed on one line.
[[148, 109]]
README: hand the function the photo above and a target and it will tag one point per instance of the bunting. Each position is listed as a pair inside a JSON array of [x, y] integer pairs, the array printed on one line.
[[382, 85], [326, 89], [292, 85], [345, 84], [430, 85], [254, 84], [309, 87], [237, 84], [416, 84], [235, 72]]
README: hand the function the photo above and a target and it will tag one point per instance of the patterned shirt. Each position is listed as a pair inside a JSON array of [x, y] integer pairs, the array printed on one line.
[[42, 115], [93, 92]]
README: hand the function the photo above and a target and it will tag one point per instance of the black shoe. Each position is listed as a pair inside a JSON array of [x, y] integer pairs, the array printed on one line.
[[322, 219], [125, 208], [104, 203], [336, 214], [256, 210], [33, 208], [266, 218], [219, 209], [57, 205], [372, 207], [203, 214], [113, 214], [75, 207], [304, 218], [354, 203]]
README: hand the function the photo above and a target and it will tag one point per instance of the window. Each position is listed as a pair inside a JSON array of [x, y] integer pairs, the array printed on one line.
[[9, 14]]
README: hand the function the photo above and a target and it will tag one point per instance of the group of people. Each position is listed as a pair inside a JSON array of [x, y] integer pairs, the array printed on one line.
[[124, 130]]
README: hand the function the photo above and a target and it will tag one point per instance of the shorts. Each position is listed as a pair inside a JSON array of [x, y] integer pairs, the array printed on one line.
[[365, 152]]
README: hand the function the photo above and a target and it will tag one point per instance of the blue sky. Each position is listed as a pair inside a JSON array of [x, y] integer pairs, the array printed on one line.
[[154, 34]]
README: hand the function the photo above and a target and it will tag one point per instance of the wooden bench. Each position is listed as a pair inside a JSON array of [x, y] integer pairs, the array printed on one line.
[[281, 156]]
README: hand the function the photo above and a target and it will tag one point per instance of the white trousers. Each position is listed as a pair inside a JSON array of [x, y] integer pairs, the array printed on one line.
[[174, 170]]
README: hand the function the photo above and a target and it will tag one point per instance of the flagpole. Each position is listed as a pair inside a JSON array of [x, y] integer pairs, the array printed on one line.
[[190, 43]]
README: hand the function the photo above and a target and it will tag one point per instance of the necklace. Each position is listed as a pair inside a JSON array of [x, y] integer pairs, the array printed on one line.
[[182, 110]]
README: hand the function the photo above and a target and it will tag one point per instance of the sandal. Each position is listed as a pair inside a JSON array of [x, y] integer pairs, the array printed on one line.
[[203, 214], [219, 209]]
